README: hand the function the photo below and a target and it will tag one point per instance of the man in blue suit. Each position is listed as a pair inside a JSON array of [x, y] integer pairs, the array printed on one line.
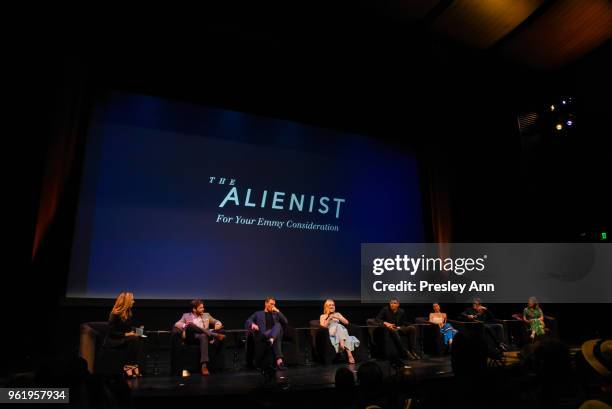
[[267, 329]]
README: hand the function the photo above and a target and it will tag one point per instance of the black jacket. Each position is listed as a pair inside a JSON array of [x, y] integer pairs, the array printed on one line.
[[116, 331], [484, 316], [398, 318]]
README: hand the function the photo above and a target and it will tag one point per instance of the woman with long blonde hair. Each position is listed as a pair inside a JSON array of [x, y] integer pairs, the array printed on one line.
[[123, 306], [121, 333], [338, 334]]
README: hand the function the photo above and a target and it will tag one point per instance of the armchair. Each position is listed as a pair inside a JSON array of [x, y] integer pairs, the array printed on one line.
[[521, 336], [100, 360], [431, 340], [186, 356], [323, 350], [288, 346]]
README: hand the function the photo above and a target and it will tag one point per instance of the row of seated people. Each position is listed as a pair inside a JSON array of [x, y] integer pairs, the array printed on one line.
[[332, 335]]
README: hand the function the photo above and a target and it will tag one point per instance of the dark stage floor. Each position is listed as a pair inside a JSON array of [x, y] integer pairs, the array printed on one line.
[[298, 378]]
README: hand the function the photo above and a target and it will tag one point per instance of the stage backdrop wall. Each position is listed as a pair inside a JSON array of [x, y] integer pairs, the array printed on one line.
[[180, 201]]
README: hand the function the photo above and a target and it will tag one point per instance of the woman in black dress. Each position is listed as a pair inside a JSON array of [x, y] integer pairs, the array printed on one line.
[[121, 333]]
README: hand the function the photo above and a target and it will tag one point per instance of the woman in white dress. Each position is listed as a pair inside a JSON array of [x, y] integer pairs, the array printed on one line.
[[338, 334], [438, 318]]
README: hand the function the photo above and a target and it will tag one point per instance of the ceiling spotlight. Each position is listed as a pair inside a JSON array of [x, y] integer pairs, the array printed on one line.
[[570, 122], [563, 102], [558, 127], [552, 107]]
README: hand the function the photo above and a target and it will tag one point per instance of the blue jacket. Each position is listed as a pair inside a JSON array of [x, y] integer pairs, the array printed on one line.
[[259, 318]]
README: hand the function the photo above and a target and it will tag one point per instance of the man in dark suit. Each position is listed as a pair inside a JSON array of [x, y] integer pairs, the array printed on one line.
[[494, 331], [394, 320], [267, 329]]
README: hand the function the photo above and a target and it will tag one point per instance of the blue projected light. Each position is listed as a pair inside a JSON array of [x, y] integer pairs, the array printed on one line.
[[181, 201]]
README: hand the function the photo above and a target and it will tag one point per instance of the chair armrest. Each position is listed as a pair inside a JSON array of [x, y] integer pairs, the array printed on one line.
[[314, 324], [87, 345], [289, 333], [463, 322], [466, 325], [176, 338], [354, 329]]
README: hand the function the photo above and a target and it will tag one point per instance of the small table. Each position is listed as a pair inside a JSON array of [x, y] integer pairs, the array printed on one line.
[[238, 345], [155, 346], [511, 329], [307, 346], [420, 326]]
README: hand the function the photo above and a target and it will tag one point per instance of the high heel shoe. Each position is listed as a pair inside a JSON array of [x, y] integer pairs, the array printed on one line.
[[351, 359], [128, 372]]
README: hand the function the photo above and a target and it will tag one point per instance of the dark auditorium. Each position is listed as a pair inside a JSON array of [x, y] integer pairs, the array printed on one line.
[[394, 204]]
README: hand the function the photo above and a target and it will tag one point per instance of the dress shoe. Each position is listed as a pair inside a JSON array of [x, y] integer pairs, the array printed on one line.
[[205, 371], [415, 355], [409, 355], [399, 362], [268, 373]]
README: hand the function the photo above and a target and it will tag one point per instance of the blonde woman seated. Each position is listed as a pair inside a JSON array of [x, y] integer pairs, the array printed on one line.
[[338, 334], [121, 334]]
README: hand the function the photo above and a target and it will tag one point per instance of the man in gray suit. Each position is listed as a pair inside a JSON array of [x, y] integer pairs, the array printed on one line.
[[195, 328], [266, 328]]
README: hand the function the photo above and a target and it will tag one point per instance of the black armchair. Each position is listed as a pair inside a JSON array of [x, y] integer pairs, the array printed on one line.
[[520, 337], [100, 360], [186, 356], [493, 333], [431, 340], [466, 326], [289, 347], [323, 350], [551, 326], [381, 347]]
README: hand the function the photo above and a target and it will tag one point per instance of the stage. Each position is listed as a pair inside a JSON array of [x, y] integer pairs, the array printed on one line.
[[252, 386]]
